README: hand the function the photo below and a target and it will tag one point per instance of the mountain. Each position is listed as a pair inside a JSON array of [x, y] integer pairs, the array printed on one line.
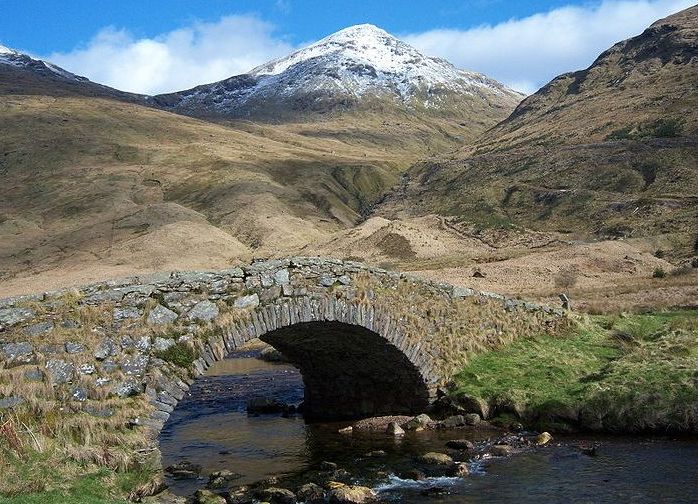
[[22, 74], [361, 67], [607, 152]]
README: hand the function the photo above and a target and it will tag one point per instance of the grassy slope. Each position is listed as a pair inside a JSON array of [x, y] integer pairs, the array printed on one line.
[[616, 143], [626, 374]]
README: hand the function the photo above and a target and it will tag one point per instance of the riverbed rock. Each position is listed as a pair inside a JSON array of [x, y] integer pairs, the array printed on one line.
[[452, 422], [271, 354], [420, 422], [394, 429], [208, 497], [350, 494], [160, 315], [222, 479], [460, 444], [184, 470], [310, 493], [204, 311], [500, 450], [461, 470], [264, 406], [274, 495], [435, 458], [328, 466], [472, 404], [413, 474], [543, 438], [346, 430]]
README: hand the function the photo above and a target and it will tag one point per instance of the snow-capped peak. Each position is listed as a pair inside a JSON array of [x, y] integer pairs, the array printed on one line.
[[364, 57], [7, 50]]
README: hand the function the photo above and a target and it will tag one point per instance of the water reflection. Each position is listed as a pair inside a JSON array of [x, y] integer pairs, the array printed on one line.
[[211, 428]]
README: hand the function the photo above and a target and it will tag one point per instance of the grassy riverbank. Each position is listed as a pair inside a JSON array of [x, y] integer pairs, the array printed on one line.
[[634, 373]]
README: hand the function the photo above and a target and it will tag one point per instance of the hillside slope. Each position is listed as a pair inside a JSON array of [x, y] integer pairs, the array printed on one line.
[[608, 152]]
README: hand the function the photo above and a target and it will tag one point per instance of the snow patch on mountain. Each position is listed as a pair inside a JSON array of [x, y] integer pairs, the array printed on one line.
[[17, 59], [354, 62]]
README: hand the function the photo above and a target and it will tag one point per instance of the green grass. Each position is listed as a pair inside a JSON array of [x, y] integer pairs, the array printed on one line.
[[90, 489], [179, 354], [626, 374]]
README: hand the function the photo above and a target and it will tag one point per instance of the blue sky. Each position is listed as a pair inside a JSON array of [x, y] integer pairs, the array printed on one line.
[[155, 46]]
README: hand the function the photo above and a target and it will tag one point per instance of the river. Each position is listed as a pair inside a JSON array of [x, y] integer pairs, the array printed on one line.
[[211, 428]]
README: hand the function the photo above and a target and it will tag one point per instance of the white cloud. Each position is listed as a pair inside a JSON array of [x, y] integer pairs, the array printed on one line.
[[527, 53], [180, 59]]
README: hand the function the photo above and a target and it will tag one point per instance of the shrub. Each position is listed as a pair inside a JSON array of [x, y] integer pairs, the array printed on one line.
[[668, 128], [179, 354], [694, 262], [659, 273], [566, 278]]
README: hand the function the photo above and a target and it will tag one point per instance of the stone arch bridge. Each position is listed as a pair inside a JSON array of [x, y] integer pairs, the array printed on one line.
[[367, 341]]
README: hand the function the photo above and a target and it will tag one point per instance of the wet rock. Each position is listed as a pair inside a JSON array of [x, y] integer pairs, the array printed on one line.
[[204, 311], [376, 454], [14, 316], [121, 314], [543, 438], [10, 402], [472, 419], [39, 329], [453, 422], [434, 458], [420, 422], [243, 302], [394, 429], [160, 315], [17, 353], [471, 404], [265, 406], [73, 347], [106, 348], [162, 344], [328, 466], [310, 493], [183, 470], [271, 354], [461, 470], [274, 495], [500, 450], [59, 371], [207, 497], [460, 444], [346, 430], [350, 494], [413, 474], [222, 479]]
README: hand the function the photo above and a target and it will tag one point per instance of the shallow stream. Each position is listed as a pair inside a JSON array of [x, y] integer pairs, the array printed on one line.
[[211, 428]]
